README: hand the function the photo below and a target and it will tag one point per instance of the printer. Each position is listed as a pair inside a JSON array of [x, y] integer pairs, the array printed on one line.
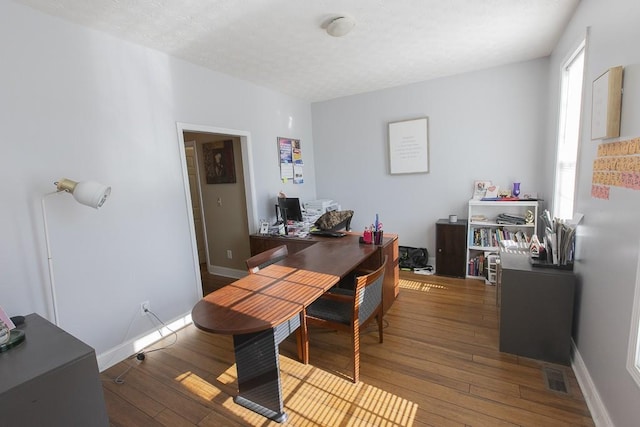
[[320, 206]]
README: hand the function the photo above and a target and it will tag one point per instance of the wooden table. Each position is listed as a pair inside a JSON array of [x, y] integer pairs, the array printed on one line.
[[262, 309], [260, 243]]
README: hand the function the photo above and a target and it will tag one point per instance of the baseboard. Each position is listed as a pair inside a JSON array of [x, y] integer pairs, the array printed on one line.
[[134, 345], [594, 402], [226, 272]]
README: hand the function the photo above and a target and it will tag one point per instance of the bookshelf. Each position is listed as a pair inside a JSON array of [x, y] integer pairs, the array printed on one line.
[[490, 222]]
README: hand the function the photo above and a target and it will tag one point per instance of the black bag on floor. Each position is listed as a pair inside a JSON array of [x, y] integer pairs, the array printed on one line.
[[411, 258]]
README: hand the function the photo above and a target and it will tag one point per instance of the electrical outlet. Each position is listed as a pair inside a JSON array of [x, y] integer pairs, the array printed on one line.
[[229, 254], [145, 306]]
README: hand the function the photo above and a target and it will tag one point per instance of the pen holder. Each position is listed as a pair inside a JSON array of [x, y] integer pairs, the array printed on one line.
[[377, 237]]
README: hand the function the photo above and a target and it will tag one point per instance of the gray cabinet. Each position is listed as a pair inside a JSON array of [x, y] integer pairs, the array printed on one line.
[[536, 309], [51, 379]]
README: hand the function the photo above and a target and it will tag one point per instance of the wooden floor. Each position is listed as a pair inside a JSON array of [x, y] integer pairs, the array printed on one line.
[[439, 365]]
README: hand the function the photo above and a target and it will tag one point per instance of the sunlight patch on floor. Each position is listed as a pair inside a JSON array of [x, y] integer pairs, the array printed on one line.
[[315, 397], [228, 376], [419, 286], [198, 386]]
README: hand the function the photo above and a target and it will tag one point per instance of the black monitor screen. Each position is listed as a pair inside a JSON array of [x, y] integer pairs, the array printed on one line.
[[290, 209]]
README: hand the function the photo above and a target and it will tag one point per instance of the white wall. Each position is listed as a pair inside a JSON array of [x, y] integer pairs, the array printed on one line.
[[80, 104], [608, 242], [482, 125]]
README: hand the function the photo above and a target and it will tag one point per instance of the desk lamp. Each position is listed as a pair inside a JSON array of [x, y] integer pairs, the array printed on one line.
[[88, 193]]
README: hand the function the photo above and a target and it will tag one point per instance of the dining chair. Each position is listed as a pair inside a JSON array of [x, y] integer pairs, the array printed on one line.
[[349, 311], [268, 257]]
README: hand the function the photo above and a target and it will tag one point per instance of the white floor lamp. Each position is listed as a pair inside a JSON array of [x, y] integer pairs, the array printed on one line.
[[88, 193]]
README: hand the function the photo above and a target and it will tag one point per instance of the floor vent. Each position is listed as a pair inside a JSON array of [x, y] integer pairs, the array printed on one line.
[[555, 379]]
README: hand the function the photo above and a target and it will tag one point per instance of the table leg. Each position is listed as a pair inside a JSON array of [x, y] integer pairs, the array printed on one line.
[[258, 368]]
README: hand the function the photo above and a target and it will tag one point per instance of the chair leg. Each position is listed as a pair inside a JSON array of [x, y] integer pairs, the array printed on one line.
[[356, 354], [379, 320]]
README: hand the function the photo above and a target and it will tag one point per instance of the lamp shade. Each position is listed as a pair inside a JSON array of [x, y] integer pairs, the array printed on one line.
[[89, 193]]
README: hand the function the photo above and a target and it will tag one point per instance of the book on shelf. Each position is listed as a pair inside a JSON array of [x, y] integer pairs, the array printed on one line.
[[491, 237], [476, 266]]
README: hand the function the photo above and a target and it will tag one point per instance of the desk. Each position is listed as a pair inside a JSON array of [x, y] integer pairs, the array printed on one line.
[[260, 243], [262, 309]]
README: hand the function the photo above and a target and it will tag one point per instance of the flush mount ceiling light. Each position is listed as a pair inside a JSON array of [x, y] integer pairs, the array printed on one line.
[[340, 26]]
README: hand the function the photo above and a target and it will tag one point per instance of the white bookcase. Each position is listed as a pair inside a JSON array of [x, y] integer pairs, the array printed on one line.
[[485, 231]]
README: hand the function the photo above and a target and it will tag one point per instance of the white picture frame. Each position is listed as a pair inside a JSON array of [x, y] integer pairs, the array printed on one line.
[[409, 146]]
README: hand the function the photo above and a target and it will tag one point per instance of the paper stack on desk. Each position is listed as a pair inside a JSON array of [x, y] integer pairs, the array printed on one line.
[[559, 239]]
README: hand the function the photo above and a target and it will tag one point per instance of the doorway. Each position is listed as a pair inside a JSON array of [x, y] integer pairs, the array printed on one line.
[[227, 210]]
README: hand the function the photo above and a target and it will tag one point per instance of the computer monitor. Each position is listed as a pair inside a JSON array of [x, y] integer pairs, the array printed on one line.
[[290, 209]]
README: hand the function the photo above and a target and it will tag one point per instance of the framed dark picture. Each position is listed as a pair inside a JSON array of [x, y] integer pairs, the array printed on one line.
[[218, 162]]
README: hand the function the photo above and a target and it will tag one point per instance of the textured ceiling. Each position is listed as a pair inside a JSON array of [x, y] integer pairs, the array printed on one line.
[[281, 44]]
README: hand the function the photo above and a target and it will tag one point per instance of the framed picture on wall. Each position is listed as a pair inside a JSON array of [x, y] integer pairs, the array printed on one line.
[[219, 164], [409, 146], [606, 104]]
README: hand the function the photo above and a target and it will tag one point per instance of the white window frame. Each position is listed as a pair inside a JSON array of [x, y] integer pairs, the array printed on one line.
[[633, 354], [580, 47]]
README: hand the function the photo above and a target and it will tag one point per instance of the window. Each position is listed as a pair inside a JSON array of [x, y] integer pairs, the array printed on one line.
[[568, 134], [633, 355]]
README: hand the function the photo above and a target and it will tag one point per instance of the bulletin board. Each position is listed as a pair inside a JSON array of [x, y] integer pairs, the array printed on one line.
[[617, 165], [409, 146]]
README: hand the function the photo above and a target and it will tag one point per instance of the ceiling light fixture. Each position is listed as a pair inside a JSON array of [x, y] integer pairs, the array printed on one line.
[[340, 26]]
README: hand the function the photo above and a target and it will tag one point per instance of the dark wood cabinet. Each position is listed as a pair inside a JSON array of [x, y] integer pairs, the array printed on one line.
[[451, 248]]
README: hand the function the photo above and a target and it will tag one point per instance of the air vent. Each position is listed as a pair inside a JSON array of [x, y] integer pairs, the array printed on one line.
[[555, 380]]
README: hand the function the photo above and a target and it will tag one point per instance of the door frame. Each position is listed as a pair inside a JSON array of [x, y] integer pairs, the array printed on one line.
[[249, 183], [198, 191]]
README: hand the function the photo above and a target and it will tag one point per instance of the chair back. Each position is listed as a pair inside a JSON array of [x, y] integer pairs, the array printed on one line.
[[368, 293], [268, 257]]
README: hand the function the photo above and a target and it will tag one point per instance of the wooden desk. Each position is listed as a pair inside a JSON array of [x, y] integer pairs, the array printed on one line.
[[262, 309], [260, 243]]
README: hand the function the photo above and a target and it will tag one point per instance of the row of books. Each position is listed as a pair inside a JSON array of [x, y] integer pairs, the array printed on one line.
[[491, 237], [476, 266], [487, 236]]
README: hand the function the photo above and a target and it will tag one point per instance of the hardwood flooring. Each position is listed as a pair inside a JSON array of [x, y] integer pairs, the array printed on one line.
[[439, 365]]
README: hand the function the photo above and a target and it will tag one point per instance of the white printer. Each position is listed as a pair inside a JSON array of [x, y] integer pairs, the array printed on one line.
[[320, 206]]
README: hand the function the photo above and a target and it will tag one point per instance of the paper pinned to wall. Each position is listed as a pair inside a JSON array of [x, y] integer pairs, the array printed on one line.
[[290, 160]]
